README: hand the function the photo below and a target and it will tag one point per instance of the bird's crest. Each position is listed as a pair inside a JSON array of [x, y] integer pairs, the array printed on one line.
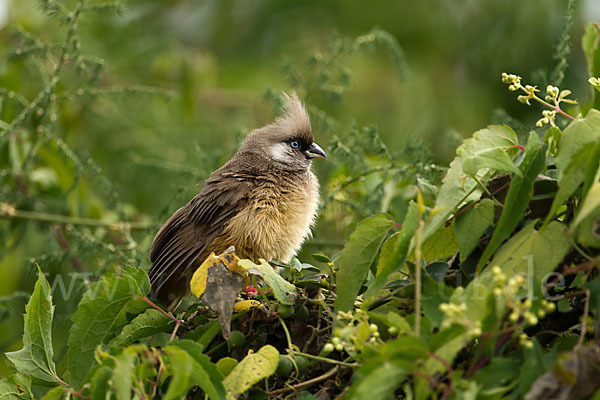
[[295, 118]]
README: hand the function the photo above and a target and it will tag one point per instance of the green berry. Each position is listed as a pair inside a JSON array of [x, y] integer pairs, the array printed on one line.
[[284, 366], [285, 310], [302, 363], [236, 340]]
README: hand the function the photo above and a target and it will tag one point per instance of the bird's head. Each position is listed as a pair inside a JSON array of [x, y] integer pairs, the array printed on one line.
[[288, 142]]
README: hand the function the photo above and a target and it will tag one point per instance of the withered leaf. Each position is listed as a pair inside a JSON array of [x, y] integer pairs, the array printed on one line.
[[573, 377], [217, 282]]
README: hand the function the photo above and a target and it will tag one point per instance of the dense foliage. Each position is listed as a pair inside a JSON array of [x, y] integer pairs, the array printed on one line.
[[479, 280]]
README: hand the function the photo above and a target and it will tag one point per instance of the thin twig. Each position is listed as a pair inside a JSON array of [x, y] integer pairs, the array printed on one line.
[[307, 383], [177, 325], [7, 211], [327, 360], [485, 189], [147, 300], [586, 310], [418, 277]]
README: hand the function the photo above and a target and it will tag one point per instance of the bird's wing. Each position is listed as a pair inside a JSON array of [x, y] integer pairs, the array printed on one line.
[[187, 235]]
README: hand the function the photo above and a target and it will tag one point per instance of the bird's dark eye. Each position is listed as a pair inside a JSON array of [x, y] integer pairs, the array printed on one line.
[[294, 144]]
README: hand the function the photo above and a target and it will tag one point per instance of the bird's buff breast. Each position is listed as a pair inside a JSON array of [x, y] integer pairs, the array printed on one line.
[[274, 223]]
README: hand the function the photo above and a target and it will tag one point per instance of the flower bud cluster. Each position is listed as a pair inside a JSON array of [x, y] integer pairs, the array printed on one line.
[[353, 331], [530, 90], [506, 290], [525, 341], [548, 117], [554, 96], [514, 81], [457, 314]]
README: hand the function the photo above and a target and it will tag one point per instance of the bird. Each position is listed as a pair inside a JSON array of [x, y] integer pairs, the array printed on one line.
[[263, 202]]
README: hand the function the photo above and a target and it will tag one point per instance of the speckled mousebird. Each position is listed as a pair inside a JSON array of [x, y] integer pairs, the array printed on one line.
[[263, 202]]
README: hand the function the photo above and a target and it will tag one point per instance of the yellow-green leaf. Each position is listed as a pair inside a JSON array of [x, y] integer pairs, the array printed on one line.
[[253, 368], [442, 243]]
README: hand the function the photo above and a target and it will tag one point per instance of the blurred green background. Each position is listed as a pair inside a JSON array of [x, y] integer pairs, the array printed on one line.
[[222, 64]]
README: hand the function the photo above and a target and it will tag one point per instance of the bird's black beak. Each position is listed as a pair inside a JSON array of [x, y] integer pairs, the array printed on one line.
[[315, 151]]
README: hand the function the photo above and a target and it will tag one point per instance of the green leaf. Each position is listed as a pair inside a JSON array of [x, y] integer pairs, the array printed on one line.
[[253, 368], [16, 387], [589, 204], [497, 374], [530, 252], [397, 321], [101, 315], [124, 365], [181, 368], [9, 390], [100, 384], [519, 194], [434, 294], [576, 136], [406, 347], [532, 368], [591, 48], [471, 224], [205, 334], [587, 233], [149, 323], [490, 148], [383, 372], [591, 170], [283, 291], [208, 376], [357, 257], [322, 258], [394, 251], [140, 276], [572, 177], [226, 364], [456, 189], [55, 393], [380, 380], [35, 358], [445, 336], [594, 287], [441, 244]]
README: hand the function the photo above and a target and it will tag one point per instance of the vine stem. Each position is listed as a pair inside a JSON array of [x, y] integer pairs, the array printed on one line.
[[418, 277], [554, 107], [71, 390], [177, 325], [299, 353], [8, 211], [306, 384], [586, 310], [178, 322], [327, 360], [486, 190]]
